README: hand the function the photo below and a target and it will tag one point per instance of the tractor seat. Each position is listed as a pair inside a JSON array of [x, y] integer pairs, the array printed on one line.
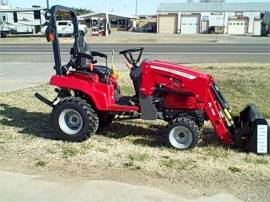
[[82, 47]]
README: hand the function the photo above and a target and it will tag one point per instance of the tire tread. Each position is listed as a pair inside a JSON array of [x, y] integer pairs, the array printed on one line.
[[189, 123], [92, 116]]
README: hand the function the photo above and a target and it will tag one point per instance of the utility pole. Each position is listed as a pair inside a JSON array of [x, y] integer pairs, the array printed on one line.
[[48, 4], [3, 2], [136, 8], [107, 18]]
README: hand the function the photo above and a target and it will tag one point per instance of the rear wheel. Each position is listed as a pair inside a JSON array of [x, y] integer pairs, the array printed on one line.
[[182, 134], [74, 119]]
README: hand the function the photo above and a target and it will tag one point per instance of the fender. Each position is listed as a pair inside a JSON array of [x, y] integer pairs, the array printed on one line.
[[97, 91]]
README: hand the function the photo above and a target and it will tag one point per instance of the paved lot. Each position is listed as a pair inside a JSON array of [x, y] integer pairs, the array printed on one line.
[[16, 187], [180, 53], [140, 38], [149, 48], [24, 65], [18, 75]]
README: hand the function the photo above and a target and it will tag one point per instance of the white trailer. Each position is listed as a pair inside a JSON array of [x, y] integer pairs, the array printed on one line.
[[21, 20]]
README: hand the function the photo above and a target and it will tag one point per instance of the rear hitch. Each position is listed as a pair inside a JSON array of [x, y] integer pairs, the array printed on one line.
[[43, 99], [251, 131]]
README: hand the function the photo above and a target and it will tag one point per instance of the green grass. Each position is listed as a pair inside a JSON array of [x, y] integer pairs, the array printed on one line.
[[25, 128], [179, 164], [243, 84], [41, 163], [256, 160], [138, 156], [69, 151], [212, 151], [234, 169]]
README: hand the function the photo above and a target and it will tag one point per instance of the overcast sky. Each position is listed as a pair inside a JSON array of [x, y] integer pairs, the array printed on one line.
[[121, 6]]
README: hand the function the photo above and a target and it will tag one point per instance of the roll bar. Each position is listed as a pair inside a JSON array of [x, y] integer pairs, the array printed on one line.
[[52, 34]]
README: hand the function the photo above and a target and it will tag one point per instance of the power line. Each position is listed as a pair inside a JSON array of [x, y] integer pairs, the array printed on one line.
[[107, 18]]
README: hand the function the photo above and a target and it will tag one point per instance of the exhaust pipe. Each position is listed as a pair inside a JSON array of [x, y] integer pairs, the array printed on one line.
[[251, 131]]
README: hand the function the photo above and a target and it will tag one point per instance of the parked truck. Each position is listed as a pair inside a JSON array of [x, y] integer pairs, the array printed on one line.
[[65, 28], [265, 28]]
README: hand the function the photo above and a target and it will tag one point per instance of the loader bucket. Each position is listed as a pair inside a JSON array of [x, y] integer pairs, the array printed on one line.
[[251, 132]]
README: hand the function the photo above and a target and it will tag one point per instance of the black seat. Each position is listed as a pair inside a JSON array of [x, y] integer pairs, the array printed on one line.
[[82, 47], [83, 63]]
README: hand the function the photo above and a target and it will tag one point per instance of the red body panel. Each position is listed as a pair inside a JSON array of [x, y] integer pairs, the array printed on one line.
[[185, 79], [191, 90], [101, 94]]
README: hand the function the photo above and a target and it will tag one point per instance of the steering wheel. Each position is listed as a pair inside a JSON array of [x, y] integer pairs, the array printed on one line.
[[130, 57]]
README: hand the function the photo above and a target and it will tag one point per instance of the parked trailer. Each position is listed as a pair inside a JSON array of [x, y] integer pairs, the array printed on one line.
[[21, 21]]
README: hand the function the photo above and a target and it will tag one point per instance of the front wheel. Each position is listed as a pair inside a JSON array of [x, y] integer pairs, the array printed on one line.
[[74, 119], [182, 134]]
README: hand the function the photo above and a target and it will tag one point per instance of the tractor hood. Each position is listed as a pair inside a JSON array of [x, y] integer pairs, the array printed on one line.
[[180, 70]]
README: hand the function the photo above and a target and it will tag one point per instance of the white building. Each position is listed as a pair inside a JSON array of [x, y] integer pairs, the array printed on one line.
[[118, 22], [192, 18]]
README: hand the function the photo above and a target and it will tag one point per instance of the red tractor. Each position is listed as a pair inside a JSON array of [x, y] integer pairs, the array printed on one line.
[[89, 97]]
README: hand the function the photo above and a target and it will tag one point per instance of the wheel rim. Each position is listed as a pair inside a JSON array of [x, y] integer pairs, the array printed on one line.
[[180, 137], [70, 121]]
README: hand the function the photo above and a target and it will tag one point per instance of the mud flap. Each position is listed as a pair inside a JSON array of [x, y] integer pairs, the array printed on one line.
[[252, 132]]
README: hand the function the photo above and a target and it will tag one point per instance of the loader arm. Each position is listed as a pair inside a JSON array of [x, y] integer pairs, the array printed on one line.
[[219, 115], [248, 131]]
